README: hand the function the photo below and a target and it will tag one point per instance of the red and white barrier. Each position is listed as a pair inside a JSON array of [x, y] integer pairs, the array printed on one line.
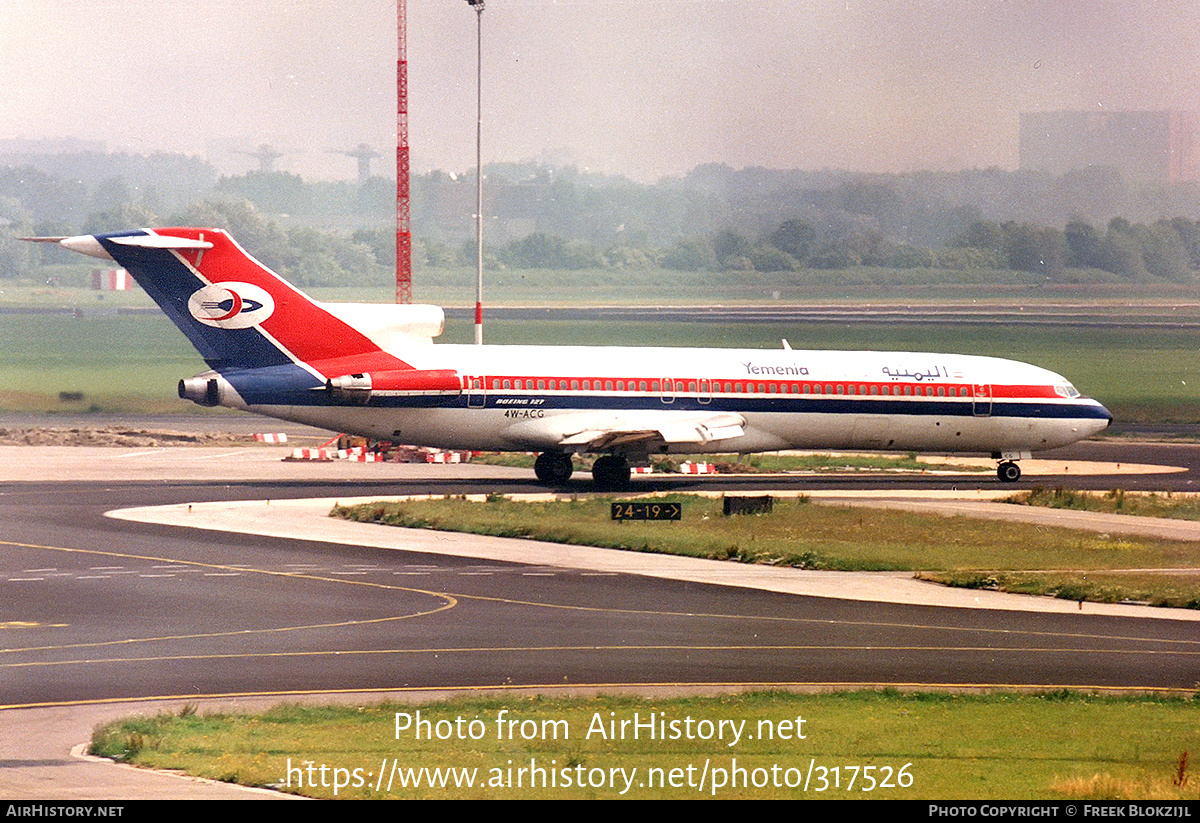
[[313, 454], [364, 457], [111, 280], [276, 437], [402, 454], [443, 457]]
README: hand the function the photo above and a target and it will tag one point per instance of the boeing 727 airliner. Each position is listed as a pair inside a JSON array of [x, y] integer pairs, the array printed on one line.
[[373, 370]]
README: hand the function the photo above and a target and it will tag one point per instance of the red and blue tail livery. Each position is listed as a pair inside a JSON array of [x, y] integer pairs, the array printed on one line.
[[374, 370]]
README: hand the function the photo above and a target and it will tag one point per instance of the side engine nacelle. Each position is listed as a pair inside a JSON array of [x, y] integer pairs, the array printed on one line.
[[350, 388], [360, 388]]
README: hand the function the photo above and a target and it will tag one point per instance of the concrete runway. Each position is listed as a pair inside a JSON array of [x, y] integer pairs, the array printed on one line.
[[98, 609]]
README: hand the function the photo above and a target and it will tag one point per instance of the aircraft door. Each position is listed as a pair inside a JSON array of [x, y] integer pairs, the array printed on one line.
[[705, 395], [981, 400], [668, 390], [476, 396]]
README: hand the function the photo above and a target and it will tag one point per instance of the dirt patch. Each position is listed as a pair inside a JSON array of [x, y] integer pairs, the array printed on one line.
[[118, 436]]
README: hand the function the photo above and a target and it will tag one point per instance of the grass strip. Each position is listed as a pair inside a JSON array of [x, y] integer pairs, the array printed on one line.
[[796, 533], [1114, 501], [865, 745], [953, 550], [1167, 589]]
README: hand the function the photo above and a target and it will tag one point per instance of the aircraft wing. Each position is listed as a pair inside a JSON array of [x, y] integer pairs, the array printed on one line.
[[625, 430]]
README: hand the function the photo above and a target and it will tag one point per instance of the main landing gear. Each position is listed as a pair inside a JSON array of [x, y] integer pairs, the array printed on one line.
[[553, 467], [1008, 472], [611, 471]]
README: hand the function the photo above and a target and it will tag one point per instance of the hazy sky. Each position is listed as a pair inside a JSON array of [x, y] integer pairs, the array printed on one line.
[[639, 87]]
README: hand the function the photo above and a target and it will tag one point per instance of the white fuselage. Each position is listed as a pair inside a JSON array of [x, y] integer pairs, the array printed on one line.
[[536, 398], [373, 370]]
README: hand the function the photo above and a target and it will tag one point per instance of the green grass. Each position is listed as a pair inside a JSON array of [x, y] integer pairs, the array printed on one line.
[[116, 362], [999, 746], [955, 550], [655, 286], [864, 284], [1016, 557], [1115, 501], [1151, 589]]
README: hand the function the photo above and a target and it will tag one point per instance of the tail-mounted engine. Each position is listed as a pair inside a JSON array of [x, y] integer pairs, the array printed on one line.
[[204, 390]]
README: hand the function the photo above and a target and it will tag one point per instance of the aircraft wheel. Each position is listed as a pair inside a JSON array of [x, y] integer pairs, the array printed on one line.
[[611, 472], [553, 467], [1008, 472]]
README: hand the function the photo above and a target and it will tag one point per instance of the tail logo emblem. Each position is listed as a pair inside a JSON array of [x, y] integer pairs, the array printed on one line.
[[231, 305]]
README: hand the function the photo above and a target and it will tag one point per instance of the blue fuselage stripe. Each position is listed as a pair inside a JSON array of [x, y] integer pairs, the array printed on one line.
[[520, 405]]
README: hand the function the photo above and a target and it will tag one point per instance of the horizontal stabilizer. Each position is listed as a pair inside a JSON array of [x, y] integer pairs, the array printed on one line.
[[89, 245], [161, 241], [83, 244]]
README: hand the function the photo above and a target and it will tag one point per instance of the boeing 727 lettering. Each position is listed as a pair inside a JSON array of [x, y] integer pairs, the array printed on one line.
[[374, 370]]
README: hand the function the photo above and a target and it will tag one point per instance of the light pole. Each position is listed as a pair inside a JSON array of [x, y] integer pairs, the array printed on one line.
[[478, 4]]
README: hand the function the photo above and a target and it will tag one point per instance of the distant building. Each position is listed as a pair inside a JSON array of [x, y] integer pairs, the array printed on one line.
[[1146, 147]]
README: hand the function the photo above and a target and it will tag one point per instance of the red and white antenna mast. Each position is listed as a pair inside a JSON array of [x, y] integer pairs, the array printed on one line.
[[478, 6], [403, 215]]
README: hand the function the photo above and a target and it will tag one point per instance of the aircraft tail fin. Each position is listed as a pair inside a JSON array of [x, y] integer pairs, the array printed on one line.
[[236, 312]]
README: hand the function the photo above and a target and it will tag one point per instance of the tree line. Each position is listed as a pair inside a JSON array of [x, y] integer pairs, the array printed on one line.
[[1135, 252], [714, 219]]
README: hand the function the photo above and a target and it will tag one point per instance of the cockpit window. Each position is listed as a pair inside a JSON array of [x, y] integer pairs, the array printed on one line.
[[1066, 390]]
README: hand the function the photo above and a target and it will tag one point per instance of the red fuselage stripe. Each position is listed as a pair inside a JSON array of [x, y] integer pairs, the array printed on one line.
[[706, 387]]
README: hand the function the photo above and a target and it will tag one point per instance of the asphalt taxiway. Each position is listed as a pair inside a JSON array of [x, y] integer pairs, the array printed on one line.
[[99, 609]]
